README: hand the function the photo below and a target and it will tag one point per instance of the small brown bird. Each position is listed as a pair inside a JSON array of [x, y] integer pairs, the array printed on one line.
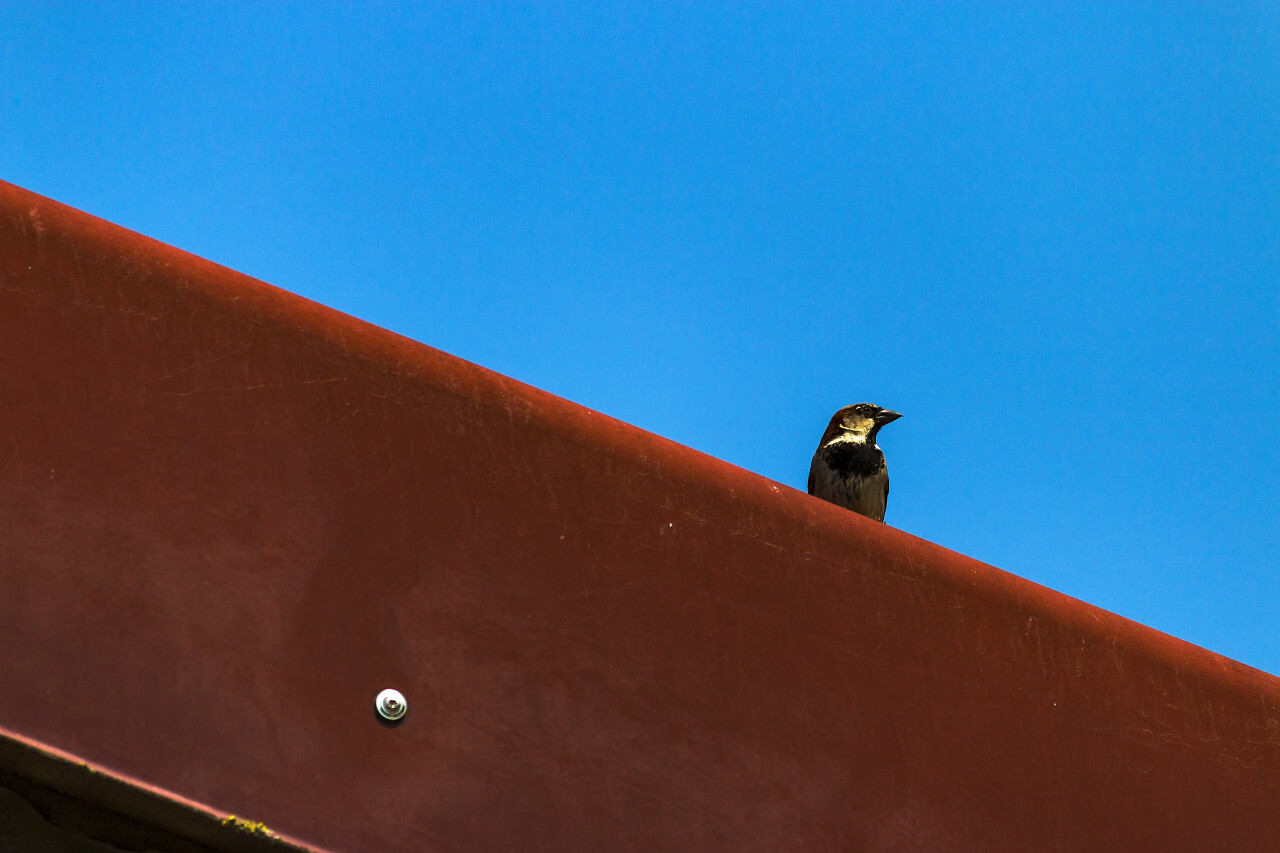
[[848, 468]]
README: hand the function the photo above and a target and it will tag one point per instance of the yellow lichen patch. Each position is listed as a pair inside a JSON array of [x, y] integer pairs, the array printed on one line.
[[250, 826]]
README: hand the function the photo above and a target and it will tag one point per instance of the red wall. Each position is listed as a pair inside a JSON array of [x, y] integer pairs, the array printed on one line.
[[230, 516]]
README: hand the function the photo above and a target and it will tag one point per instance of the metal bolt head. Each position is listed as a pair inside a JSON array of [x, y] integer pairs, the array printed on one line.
[[391, 704]]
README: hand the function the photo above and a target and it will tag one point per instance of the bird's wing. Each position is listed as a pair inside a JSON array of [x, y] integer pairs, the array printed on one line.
[[811, 473]]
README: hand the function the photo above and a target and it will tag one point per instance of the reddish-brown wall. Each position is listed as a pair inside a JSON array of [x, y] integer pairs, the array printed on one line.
[[230, 516]]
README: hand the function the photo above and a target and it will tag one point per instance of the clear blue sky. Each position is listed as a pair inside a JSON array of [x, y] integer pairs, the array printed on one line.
[[1050, 237]]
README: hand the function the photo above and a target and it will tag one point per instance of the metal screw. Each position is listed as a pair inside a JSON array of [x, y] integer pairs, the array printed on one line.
[[391, 704]]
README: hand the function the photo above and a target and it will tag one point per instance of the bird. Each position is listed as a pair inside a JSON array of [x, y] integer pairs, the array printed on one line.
[[848, 468]]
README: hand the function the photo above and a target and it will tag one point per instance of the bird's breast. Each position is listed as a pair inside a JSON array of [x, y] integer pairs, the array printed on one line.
[[853, 457], [853, 477]]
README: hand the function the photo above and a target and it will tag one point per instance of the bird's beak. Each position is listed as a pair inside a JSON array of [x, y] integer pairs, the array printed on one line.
[[886, 416]]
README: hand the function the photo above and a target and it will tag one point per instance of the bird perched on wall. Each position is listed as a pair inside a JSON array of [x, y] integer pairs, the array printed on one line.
[[848, 468]]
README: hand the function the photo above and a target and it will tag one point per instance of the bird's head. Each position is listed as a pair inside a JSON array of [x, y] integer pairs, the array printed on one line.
[[861, 422]]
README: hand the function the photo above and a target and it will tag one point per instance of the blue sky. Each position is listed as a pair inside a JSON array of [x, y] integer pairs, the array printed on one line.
[[1049, 236]]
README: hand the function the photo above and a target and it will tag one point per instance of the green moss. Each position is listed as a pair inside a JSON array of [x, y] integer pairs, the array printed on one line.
[[249, 826]]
